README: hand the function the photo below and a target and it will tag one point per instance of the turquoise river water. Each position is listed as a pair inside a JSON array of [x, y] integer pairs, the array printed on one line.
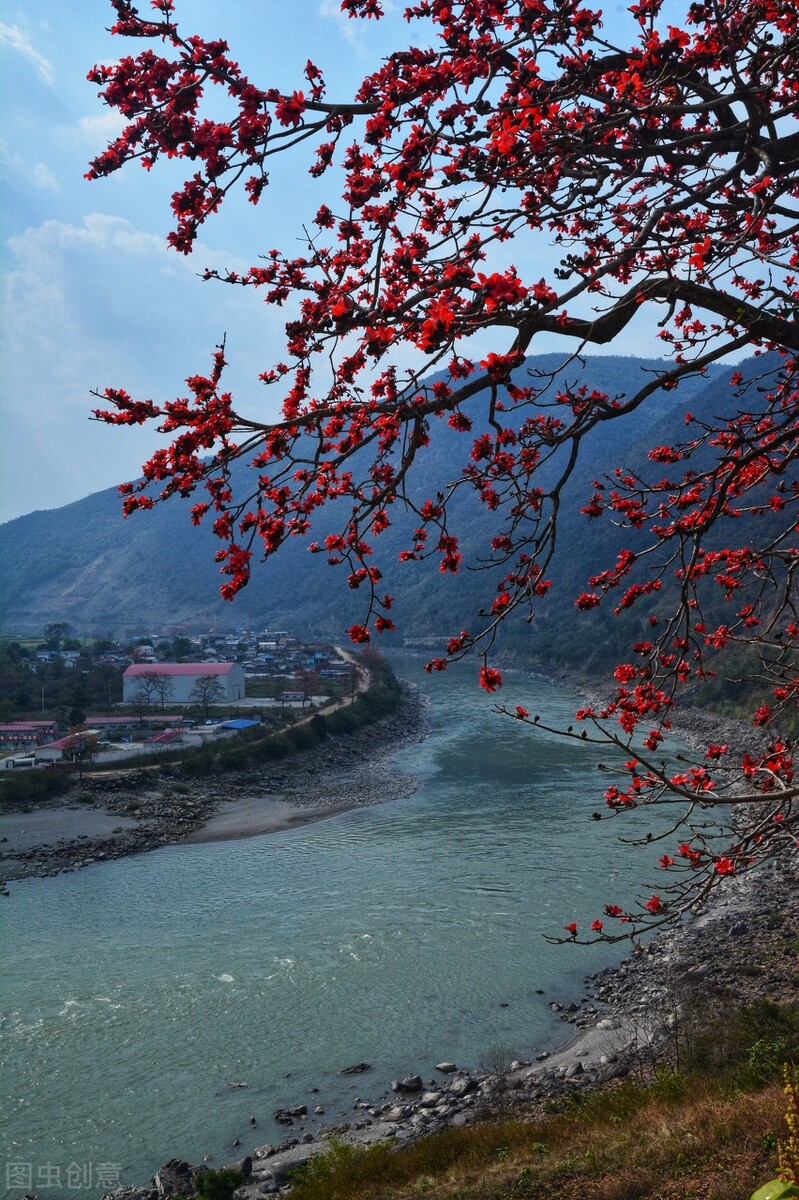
[[135, 991]]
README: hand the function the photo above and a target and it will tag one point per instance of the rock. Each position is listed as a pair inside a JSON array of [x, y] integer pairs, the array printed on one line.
[[284, 1163], [125, 1193], [462, 1087], [446, 1068], [176, 1178], [411, 1083], [357, 1069]]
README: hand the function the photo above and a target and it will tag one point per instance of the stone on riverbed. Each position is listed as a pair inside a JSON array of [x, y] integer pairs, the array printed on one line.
[[411, 1083], [280, 1166]]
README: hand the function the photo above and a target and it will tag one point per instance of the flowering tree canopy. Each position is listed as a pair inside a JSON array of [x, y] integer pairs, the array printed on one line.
[[665, 175]]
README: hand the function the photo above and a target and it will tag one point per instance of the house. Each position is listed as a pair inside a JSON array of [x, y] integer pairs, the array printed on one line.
[[71, 746], [185, 682], [27, 733]]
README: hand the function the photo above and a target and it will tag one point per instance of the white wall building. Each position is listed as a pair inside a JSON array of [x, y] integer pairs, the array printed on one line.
[[184, 680]]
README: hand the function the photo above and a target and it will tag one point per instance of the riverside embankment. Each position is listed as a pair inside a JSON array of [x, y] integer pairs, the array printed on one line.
[[397, 935], [647, 1010], [742, 948], [104, 817]]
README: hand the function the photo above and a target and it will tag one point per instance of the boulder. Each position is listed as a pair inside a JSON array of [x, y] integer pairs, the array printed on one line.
[[282, 1165], [411, 1083], [176, 1178], [130, 1193]]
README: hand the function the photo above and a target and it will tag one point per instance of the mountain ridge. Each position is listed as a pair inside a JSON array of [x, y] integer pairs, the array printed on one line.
[[83, 563]]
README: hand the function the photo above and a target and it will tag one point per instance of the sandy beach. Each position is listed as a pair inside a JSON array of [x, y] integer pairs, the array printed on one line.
[[251, 816], [122, 813]]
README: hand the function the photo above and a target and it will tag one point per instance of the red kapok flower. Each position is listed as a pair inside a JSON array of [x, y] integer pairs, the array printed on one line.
[[490, 678]]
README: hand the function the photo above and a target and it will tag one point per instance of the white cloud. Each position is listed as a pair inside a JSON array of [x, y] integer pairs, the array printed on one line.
[[103, 303], [102, 128], [44, 178], [351, 30], [39, 174], [106, 233], [13, 37]]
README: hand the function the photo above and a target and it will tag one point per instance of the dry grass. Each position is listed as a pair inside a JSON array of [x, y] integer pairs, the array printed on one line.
[[699, 1146], [686, 1141]]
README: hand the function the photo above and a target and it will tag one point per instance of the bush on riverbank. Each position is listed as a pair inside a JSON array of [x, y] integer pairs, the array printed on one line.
[[709, 1130], [19, 787]]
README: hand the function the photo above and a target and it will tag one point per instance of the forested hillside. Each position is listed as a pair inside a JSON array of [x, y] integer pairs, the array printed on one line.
[[84, 564]]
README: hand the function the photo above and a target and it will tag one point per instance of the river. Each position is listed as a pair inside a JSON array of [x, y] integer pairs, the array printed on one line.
[[135, 992]]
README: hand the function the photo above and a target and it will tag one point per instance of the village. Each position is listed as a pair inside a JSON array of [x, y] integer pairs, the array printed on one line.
[[103, 702]]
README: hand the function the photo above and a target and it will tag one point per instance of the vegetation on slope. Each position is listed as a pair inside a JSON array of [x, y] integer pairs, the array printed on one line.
[[707, 1132]]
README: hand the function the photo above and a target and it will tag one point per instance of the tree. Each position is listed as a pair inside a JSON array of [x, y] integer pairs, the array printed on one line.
[[181, 648], [147, 685], [665, 175], [56, 634], [207, 691], [164, 688]]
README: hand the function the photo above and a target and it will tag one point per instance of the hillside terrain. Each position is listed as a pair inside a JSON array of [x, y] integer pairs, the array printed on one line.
[[86, 565]]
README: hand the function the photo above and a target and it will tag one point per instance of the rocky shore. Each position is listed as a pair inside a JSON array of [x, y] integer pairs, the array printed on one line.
[[742, 948], [643, 1012], [115, 814]]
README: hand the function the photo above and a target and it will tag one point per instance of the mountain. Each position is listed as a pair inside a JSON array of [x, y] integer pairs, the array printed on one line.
[[86, 565]]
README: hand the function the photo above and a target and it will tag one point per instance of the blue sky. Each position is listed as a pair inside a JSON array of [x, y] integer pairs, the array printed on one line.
[[91, 295]]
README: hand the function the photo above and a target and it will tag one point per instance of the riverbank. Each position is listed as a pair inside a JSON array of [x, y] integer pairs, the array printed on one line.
[[454, 1097], [644, 1012], [107, 817]]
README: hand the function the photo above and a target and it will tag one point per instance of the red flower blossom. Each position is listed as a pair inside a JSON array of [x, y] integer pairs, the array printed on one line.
[[490, 678]]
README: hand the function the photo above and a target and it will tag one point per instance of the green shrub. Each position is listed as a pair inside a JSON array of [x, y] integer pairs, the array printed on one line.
[[18, 787], [219, 1185]]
